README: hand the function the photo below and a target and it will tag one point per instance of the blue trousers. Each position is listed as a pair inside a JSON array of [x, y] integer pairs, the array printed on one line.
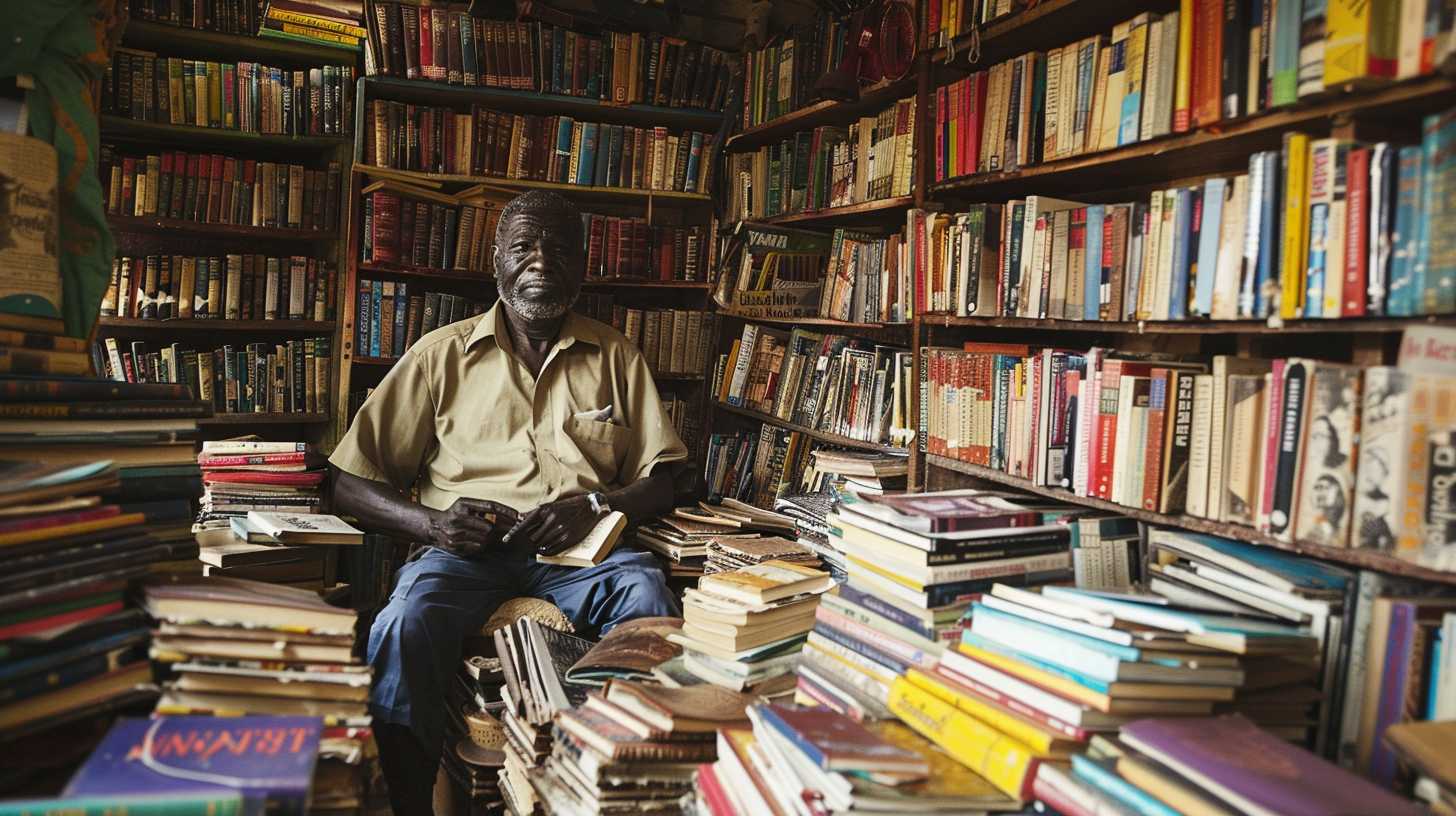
[[440, 598]]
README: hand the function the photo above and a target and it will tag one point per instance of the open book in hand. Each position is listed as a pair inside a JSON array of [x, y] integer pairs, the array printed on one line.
[[595, 545]]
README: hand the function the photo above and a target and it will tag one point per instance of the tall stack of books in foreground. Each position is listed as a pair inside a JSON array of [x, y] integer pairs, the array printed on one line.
[[1264, 443], [693, 540], [91, 500], [237, 647]]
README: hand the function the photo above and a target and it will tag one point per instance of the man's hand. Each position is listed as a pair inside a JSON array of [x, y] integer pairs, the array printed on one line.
[[553, 527], [470, 525]]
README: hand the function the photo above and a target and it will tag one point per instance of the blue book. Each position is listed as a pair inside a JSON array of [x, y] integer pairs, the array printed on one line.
[[1106, 780], [972, 639], [563, 149], [1128, 653], [221, 803], [1282, 571], [1423, 283], [607, 136], [1441, 254], [361, 328], [1403, 291], [268, 760], [558, 52], [375, 318], [1184, 247], [1315, 270], [1267, 271], [1092, 276], [586, 162], [401, 306], [695, 154], [1433, 683], [1214, 191]]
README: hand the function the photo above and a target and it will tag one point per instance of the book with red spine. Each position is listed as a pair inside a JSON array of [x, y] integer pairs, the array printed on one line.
[[1357, 231], [974, 688], [1099, 479], [213, 462], [1157, 419], [306, 479], [974, 104]]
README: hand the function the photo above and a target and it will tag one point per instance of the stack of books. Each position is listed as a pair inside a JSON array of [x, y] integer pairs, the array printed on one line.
[[726, 554], [682, 538], [834, 471], [472, 755], [234, 647], [337, 23], [743, 629], [246, 474], [534, 661], [1202, 765], [810, 512], [634, 746], [800, 754]]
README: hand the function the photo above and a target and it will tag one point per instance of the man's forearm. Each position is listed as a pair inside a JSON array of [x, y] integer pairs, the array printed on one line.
[[646, 498], [380, 508]]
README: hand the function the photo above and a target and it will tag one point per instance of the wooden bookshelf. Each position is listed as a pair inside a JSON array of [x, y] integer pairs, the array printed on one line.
[[120, 129], [118, 325], [828, 112], [154, 36], [1025, 30], [1365, 559], [239, 232], [878, 211], [820, 436], [1220, 149], [518, 101], [1351, 325], [816, 321], [578, 192], [264, 419]]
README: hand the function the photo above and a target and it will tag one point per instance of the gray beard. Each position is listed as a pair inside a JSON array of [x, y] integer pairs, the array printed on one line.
[[537, 309]]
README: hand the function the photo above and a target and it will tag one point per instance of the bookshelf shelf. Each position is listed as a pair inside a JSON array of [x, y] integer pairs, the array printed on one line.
[[215, 44], [120, 129], [117, 325], [871, 212], [1354, 557], [1189, 155], [426, 273], [365, 360], [645, 283], [828, 112], [150, 224], [1352, 325], [264, 419], [821, 436], [511, 99], [814, 321], [585, 192]]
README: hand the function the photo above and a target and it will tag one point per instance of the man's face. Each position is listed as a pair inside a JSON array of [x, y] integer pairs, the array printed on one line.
[[538, 265]]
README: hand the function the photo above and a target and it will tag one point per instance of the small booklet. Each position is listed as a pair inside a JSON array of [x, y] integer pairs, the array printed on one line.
[[594, 547]]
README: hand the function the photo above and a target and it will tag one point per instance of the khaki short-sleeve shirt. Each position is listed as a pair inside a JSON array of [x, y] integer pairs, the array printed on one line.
[[460, 415]]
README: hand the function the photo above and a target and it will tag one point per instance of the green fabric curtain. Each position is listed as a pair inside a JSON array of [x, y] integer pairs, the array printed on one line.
[[66, 45]]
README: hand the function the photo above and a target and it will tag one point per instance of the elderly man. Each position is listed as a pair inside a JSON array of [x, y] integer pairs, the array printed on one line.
[[516, 428]]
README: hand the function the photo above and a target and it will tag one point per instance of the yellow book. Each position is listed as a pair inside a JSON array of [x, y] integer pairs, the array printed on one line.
[[1058, 685], [1183, 77], [728, 370], [214, 94], [1361, 41], [1296, 225], [886, 573], [315, 21], [1004, 762], [1038, 738], [73, 529]]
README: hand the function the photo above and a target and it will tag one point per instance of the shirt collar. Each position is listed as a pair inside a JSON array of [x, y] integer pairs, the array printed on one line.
[[575, 328]]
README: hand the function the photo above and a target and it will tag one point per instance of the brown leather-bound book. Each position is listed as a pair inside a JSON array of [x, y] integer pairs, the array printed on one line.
[[689, 709], [612, 740], [630, 651]]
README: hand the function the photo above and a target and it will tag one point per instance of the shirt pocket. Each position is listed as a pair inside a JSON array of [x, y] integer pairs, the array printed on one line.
[[601, 446]]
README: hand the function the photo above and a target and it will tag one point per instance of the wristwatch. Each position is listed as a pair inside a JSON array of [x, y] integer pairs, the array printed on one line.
[[598, 502]]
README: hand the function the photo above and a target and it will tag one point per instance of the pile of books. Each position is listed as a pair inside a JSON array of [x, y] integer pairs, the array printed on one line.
[[246, 474], [472, 755], [1203, 765], [232, 646], [832, 470], [634, 746], [743, 630], [794, 755], [810, 512], [683, 537], [726, 554], [337, 23], [534, 660]]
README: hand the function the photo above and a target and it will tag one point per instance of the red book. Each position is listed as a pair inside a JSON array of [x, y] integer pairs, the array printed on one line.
[[922, 247], [1207, 61], [835, 742], [973, 106], [1158, 400], [30, 627], [639, 246], [1099, 479], [128, 186], [59, 519], [942, 115], [713, 795], [384, 228], [611, 240], [207, 462], [596, 236], [1357, 231], [306, 479], [427, 43]]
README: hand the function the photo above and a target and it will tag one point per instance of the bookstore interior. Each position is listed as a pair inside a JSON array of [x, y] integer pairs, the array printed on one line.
[[738, 407]]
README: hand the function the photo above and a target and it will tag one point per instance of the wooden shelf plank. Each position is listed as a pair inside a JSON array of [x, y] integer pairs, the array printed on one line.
[[386, 362], [822, 436], [518, 101], [1353, 325], [456, 276], [365, 360], [166, 226], [264, 419], [1219, 149], [1365, 559], [120, 324], [865, 212], [174, 40], [815, 321], [118, 128], [871, 100], [583, 191]]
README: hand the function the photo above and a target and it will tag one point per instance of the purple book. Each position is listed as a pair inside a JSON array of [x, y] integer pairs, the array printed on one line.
[[1258, 773], [269, 760]]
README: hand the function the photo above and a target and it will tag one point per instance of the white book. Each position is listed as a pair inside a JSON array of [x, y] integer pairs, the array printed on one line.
[[1253, 226], [1154, 76], [1196, 504], [1223, 366], [1126, 388], [1411, 33], [1086, 410], [740, 367], [1061, 223], [1335, 252], [1133, 475], [1162, 112], [1111, 106], [304, 528], [1231, 245], [1035, 206], [1152, 255], [594, 546], [1163, 287]]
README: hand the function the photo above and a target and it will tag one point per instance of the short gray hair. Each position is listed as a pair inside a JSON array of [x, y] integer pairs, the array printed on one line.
[[550, 206]]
